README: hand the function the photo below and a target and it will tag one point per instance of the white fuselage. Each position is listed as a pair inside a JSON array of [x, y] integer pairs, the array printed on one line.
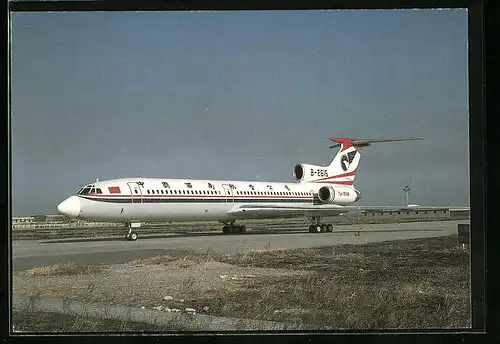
[[157, 199]]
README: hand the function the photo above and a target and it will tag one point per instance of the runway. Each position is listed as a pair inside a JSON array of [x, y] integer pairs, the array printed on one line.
[[27, 254]]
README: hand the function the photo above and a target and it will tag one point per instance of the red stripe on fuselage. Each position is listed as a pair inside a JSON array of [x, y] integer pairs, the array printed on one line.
[[342, 182], [200, 196]]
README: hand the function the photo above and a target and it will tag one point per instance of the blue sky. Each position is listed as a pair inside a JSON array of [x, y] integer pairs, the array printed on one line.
[[238, 95]]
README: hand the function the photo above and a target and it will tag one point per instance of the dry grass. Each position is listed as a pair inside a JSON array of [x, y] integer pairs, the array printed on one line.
[[55, 322], [67, 269], [420, 283]]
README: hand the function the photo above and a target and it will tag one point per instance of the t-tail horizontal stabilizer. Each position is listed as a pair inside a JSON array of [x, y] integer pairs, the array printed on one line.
[[366, 142]]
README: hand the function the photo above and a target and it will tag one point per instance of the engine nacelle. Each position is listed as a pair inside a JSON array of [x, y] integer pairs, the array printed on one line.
[[338, 195], [306, 172]]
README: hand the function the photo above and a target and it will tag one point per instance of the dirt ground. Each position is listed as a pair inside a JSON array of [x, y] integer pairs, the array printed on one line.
[[421, 283]]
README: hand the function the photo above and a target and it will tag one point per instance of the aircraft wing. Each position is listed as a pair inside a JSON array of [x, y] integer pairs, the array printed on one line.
[[249, 211]]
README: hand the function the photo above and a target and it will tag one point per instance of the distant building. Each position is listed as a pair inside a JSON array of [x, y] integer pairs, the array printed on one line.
[[22, 219]]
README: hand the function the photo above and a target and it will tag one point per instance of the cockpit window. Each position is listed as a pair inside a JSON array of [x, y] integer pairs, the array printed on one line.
[[98, 191], [84, 191]]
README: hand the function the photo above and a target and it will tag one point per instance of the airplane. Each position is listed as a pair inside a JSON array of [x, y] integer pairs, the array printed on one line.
[[318, 191]]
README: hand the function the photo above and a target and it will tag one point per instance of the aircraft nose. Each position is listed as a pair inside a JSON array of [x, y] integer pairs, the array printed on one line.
[[70, 207]]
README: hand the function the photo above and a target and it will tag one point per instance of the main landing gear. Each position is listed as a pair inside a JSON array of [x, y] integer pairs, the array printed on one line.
[[317, 226], [131, 235], [231, 228]]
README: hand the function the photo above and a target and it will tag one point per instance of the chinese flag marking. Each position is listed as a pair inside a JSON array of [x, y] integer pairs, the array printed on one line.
[[114, 189]]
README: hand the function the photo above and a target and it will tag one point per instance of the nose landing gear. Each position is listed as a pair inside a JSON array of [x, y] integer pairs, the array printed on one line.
[[131, 235]]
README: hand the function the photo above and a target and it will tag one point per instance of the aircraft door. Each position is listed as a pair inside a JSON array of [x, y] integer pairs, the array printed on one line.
[[135, 191], [228, 191]]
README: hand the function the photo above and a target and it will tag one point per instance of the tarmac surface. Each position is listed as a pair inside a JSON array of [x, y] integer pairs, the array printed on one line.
[[27, 254]]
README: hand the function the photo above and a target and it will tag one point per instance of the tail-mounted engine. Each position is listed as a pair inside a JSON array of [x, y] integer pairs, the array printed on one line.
[[338, 195], [306, 172]]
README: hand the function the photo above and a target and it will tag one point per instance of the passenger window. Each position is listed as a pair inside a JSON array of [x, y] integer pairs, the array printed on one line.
[[135, 190], [162, 192], [148, 192], [183, 192], [175, 192]]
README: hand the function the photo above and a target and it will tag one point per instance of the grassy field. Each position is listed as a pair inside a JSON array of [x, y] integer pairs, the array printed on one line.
[[56, 322], [421, 283], [415, 284]]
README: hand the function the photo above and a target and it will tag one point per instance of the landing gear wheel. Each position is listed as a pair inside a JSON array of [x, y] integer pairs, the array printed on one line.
[[312, 228], [324, 228], [133, 236], [329, 228], [243, 229], [318, 229], [226, 230]]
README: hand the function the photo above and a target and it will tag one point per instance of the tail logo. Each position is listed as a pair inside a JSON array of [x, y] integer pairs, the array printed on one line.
[[346, 160]]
